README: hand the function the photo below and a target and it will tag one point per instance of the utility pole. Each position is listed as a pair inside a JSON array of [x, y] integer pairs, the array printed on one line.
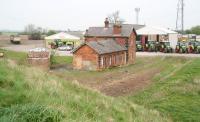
[[180, 16], [182, 19], [137, 11]]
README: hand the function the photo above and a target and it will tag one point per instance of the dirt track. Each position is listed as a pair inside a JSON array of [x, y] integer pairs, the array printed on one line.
[[129, 84]]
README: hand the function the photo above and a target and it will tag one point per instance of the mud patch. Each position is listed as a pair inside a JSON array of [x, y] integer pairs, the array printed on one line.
[[129, 84]]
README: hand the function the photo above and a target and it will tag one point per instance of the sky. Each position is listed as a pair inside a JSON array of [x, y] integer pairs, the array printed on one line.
[[81, 14]]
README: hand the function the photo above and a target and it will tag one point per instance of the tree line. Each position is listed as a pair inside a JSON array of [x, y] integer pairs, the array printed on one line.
[[193, 30], [36, 33]]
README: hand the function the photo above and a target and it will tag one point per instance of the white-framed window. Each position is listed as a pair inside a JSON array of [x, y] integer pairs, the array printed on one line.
[[110, 61], [102, 62]]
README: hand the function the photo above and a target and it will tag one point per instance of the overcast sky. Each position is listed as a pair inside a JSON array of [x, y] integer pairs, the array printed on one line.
[[80, 14]]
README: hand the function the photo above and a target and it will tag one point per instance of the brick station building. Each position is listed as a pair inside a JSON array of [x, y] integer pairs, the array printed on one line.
[[104, 47]]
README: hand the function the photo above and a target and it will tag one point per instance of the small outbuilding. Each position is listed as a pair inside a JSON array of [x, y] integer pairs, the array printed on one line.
[[97, 55]]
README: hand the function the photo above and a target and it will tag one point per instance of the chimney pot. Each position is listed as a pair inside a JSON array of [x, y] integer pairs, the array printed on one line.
[[117, 29], [106, 22]]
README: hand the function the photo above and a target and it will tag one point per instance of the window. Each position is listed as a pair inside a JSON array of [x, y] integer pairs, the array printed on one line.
[[101, 62], [110, 62]]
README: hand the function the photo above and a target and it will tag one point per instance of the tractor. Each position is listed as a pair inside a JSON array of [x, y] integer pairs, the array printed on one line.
[[1, 54], [181, 47], [191, 46], [139, 46], [151, 46], [15, 39], [165, 47], [197, 47]]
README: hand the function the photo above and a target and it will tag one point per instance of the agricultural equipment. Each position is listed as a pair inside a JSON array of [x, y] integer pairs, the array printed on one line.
[[197, 47], [139, 46], [165, 47], [1, 54], [181, 47], [194, 47], [56, 43], [15, 39], [151, 46]]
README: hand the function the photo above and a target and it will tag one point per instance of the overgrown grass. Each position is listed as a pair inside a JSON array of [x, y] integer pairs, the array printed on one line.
[[55, 60], [29, 94], [19, 57], [175, 91]]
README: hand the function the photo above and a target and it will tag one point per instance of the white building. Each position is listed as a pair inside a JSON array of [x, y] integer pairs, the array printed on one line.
[[159, 34]]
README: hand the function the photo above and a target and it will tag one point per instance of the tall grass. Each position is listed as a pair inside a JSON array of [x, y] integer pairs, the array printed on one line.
[[29, 94], [175, 91]]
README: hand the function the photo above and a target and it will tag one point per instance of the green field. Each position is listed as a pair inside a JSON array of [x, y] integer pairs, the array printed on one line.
[[30, 94]]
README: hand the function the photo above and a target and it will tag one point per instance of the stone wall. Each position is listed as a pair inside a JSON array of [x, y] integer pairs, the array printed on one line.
[[39, 59], [85, 58]]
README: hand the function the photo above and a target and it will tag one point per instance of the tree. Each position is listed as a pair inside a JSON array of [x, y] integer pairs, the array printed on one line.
[[194, 30], [29, 29], [115, 18], [51, 32], [33, 31]]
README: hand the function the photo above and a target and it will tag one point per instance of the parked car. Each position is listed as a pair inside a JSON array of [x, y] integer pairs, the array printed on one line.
[[65, 48], [139, 46], [181, 47], [165, 47]]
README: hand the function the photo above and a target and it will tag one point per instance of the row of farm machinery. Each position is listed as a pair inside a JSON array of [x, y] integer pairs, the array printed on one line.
[[165, 47]]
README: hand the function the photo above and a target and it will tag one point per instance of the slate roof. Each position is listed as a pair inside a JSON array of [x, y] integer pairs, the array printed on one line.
[[127, 29], [79, 34], [104, 46]]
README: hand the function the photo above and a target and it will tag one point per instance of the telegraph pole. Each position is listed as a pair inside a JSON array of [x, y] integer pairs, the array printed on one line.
[[182, 19], [180, 16], [137, 11]]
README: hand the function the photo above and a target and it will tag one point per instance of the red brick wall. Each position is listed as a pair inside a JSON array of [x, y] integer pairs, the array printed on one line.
[[87, 39], [132, 48], [112, 59], [85, 58], [117, 29]]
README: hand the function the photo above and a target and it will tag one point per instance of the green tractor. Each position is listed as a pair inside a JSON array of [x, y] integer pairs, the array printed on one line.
[[181, 47], [165, 47], [197, 47], [151, 46], [192, 46], [139, 46]]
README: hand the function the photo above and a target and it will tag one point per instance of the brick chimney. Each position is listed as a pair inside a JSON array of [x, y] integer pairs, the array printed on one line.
[[106, 23], [117, 29]]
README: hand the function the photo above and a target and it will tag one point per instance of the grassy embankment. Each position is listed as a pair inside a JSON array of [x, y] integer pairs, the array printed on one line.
[[29, 94], [175, 91]]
